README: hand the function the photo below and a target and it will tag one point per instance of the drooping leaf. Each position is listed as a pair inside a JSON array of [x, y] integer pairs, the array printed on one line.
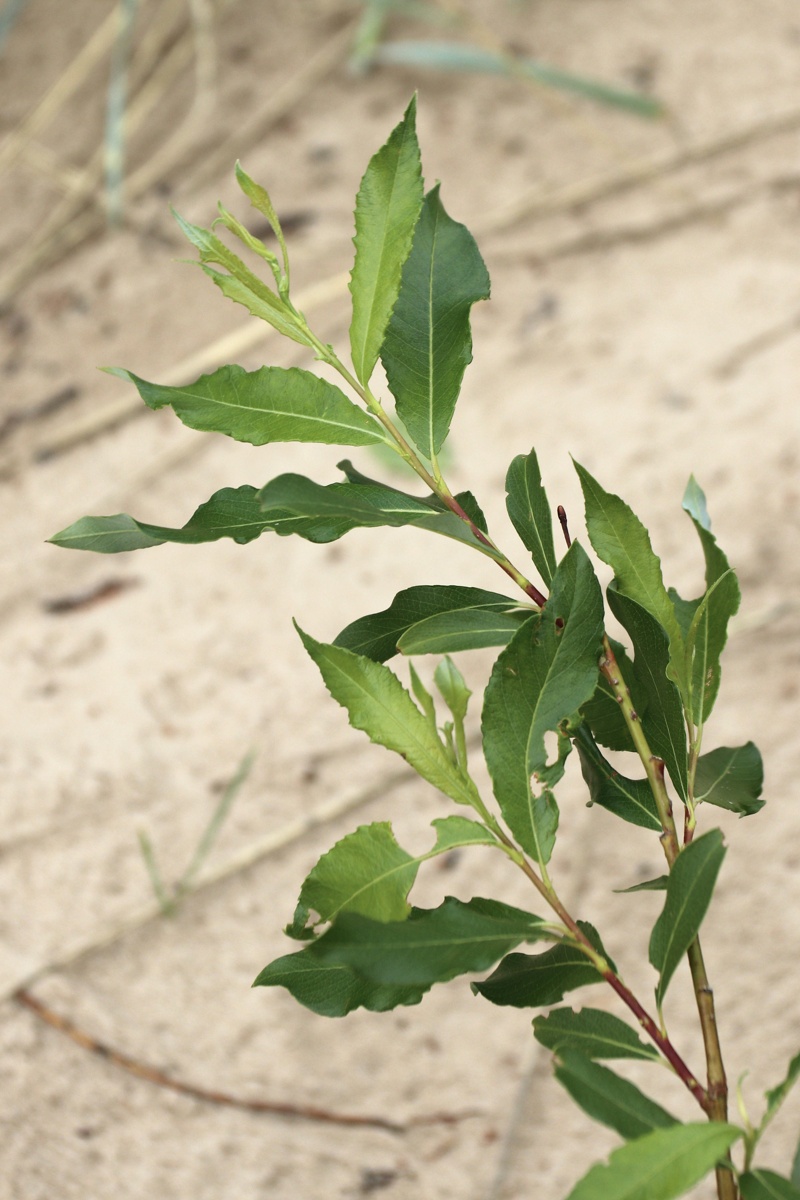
[[428, 343], [767, 1185], [538, 980], [731, 778], [608, 1098], [603, 714], [367, 872], [332, 989], [387, 209], [267, 405], [378, 704], [659, 1166], [231, 512], [544, 675], [663, 719], [432, 945], [689, 891], [622, 541], [461, 629], [529, 510], [322, 513], [592, 1032], [378, 634], [630, 799]]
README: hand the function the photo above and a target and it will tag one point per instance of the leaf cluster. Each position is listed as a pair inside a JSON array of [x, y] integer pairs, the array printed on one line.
[[558, 683]]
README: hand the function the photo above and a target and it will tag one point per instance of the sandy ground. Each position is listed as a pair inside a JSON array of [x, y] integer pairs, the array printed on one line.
[[645, 318]]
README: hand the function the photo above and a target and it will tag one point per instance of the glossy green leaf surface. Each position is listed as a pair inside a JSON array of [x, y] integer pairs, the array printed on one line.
[[732, 778], [630, 799], [689, 891], [767, 1185], [432, 945], [659, 1166], [267, 405], [332, 989], [591, 1032], [294, 504], [529, 510], [231, 512], [378, 704], [377, 635], [387, 208], [622, 541], [537, 980], [544, 675], [428, 343], [462, 629], [663, 719], [608, 1098], [367, 872]]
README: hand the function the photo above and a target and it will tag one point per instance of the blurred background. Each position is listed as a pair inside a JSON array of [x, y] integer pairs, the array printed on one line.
[[631, 173]]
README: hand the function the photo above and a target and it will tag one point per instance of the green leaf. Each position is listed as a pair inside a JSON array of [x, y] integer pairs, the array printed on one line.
[[537, 980], [663, 719], [709, 629], [689, 891], [332, 989], [265, 305], [796, 1167], [603, 714], [428, 343], [462, 629], [661, 1165], [267, 405], [659, 884], [593, 1033], [776, 1096], [630, 799], [241, 285], [609, 1099], [261, 202], [544, 675], [731, 778], [432, 945], [387, 208], [322, 513], [423, 696], [378, 634], [530, 514], [231, 512], [378, 704], [767, 1185], [367, 872], [453, 688], [622, 541]]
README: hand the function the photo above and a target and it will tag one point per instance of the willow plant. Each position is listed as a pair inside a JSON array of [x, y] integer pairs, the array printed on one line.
[[416, 275]]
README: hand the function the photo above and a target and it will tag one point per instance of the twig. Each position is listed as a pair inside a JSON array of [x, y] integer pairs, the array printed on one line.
[[302, 1112]]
